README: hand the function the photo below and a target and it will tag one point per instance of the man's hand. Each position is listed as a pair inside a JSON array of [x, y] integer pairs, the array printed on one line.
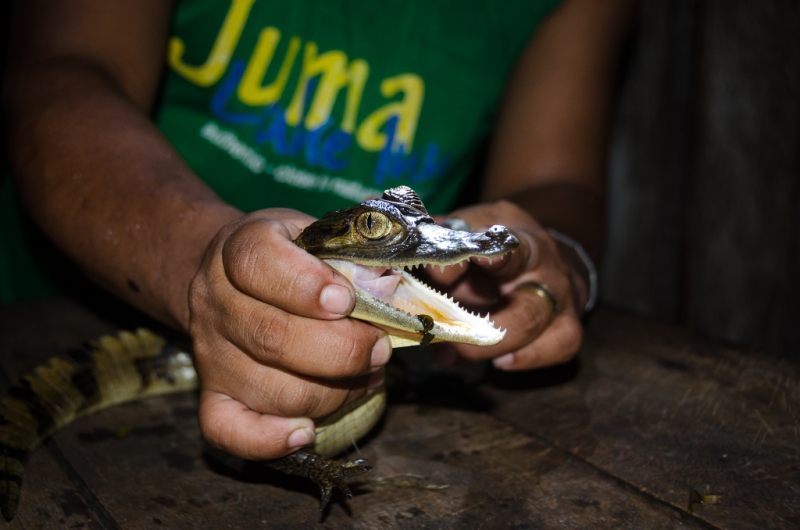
[[271, 343], [535, 336], [548, 155]]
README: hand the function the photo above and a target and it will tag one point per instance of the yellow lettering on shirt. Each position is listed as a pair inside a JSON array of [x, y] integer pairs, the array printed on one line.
[[251, 91], [217, 62], [335, 74], [334, 70], [369, 135]]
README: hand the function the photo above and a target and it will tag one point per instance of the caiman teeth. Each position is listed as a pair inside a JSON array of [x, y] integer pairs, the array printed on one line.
[[412, 297], [461, 263]]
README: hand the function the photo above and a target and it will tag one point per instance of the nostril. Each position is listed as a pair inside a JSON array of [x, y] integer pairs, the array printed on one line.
[[497, 231]]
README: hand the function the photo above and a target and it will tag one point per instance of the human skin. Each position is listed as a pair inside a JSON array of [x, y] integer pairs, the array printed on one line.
[[272, 345], [547, 160]]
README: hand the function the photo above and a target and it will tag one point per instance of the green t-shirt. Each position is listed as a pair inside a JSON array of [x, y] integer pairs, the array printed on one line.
[[319, 104]]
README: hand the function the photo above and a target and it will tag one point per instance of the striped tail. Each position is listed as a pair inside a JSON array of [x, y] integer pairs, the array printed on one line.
[[105, 372]]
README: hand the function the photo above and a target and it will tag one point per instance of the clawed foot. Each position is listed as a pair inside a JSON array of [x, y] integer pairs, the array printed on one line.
[[325, 472]]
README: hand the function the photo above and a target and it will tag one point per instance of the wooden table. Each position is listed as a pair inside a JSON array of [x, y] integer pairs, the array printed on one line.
[[616, 439]]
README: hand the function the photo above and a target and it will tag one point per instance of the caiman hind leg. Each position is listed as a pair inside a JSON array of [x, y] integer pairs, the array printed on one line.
[[325, 472], [335, 434]]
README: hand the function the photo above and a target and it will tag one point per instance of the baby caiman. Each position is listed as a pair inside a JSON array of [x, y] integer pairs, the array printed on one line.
[[374, 244]]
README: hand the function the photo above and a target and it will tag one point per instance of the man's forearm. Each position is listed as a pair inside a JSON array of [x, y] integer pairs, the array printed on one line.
[[549, 149], [102, 182]]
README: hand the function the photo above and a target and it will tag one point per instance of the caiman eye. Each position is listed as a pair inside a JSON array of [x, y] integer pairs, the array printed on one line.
[[373, 225]]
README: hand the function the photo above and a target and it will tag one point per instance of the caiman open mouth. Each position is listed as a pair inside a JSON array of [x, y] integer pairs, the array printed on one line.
[[376, 243], [403, 291], [380, 282]]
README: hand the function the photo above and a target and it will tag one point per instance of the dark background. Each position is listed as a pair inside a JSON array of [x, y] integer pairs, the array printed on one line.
[[704, 224]]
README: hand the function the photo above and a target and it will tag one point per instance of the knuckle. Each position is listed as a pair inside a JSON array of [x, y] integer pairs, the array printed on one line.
[[243, 250], [199, 295], [240, 256], [200, 350], [302, 398], [272, 335], [295, 398], [532, 306], [349, 355], [259, 259], [208, 348]]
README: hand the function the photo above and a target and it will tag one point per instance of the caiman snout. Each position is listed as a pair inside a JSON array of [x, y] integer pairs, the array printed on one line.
[[499, 237]]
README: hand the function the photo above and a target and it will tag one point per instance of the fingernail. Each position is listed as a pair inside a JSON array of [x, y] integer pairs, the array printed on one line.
[[336, 299], [381, 352], [505, 362], [446, 356], [301, 438], [375, 380]]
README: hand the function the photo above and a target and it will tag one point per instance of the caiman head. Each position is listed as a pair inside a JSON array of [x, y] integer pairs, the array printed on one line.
[[374, 243]]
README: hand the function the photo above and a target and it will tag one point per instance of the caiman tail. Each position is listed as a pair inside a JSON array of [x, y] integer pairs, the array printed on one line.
[[105, 372], [132, 366]]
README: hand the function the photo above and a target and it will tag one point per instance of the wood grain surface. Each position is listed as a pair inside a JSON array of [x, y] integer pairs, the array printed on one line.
[[618, 438]]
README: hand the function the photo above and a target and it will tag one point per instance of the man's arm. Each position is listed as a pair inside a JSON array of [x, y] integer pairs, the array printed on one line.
[[549, 148], [104, 184], [90, 166]]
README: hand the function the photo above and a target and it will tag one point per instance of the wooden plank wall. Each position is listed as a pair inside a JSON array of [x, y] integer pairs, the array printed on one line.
[[704, 225]]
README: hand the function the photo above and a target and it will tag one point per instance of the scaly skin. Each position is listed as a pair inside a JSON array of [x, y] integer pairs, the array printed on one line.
[[391, 233]]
